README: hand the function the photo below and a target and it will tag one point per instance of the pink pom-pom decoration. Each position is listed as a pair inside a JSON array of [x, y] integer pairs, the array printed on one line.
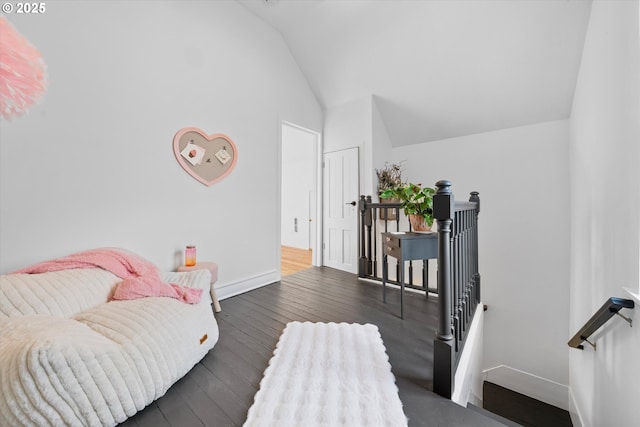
[[22, 72]]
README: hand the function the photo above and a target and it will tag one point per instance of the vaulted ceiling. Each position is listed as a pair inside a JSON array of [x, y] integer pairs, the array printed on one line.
[[438, 68]]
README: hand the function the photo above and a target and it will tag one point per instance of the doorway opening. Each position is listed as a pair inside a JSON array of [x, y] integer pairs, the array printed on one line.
[[294, 259], [299, 199]]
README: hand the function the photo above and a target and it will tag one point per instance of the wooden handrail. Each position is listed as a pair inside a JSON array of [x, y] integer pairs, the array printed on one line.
[[611, 307]]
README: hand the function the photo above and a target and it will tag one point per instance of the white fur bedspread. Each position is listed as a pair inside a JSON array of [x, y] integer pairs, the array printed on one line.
[[69, 358]]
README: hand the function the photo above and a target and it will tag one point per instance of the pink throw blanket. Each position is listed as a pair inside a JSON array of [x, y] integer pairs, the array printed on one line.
[[140, 278]]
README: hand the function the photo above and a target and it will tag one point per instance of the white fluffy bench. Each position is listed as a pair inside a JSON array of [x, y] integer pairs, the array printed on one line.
[[68, 356]]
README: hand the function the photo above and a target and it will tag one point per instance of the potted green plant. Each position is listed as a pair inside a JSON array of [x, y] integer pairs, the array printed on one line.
[[417, 204], [389, 177]]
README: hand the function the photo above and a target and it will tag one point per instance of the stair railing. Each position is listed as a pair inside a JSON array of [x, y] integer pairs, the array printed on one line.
[[610, 308], [458, 282]]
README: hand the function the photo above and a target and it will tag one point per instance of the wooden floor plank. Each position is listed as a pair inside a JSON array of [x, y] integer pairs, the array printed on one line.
[[294, 313], [131, 422], [250, 355], [219, 393], [149, 417], [267, 311], [239, 322], [220, 389], [176, 410], [228, 328], [208, 412], [241, 367], [294, 260], [225, 372]]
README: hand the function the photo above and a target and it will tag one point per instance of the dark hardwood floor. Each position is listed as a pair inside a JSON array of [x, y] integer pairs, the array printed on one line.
[[219, 390]]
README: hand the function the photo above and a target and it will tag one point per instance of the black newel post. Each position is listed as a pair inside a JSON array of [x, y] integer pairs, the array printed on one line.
[[362, 264], [475, 197], [369, 217], [443, 351], [443, 211]]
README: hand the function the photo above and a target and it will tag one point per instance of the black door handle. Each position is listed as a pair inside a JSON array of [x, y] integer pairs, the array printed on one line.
[[352, 203]]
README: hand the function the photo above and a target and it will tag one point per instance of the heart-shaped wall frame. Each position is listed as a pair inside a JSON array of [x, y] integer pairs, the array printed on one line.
[[207, 158]]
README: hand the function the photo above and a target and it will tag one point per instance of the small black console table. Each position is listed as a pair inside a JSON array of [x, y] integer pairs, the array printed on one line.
[[406, 246]]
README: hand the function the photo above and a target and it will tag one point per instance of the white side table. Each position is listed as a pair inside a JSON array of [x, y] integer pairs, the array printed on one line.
[[213, 268]]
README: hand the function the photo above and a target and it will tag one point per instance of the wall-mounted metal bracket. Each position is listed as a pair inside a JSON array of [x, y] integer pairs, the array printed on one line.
[[628, 319], [592, 344]]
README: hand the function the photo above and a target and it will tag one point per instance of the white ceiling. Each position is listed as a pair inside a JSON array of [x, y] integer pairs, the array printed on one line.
[[438, 68]]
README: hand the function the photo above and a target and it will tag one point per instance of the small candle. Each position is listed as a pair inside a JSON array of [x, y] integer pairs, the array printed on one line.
[[190, 256]]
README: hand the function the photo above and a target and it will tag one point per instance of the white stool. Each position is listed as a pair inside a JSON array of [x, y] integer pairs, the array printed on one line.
[[213, 268]]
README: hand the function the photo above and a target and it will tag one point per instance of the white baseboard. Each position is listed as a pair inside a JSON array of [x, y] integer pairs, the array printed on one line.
[[574, 412], [536, 387], [468, 378], [246, 284]]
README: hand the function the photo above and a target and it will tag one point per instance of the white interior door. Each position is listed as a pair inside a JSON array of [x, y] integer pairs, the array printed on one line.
[[298, 184], [341, 189]]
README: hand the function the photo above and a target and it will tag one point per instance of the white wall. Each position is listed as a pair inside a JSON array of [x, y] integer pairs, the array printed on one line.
[[93, 165], [605, 207], [382, 147], [349, 125], [523, 180], [358, 123], [298, 186]]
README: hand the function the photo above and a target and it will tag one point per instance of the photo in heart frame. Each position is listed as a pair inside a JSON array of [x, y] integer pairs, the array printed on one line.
[[207, 158]]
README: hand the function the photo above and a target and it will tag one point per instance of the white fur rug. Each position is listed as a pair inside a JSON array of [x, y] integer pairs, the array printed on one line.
[[328, 374]]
